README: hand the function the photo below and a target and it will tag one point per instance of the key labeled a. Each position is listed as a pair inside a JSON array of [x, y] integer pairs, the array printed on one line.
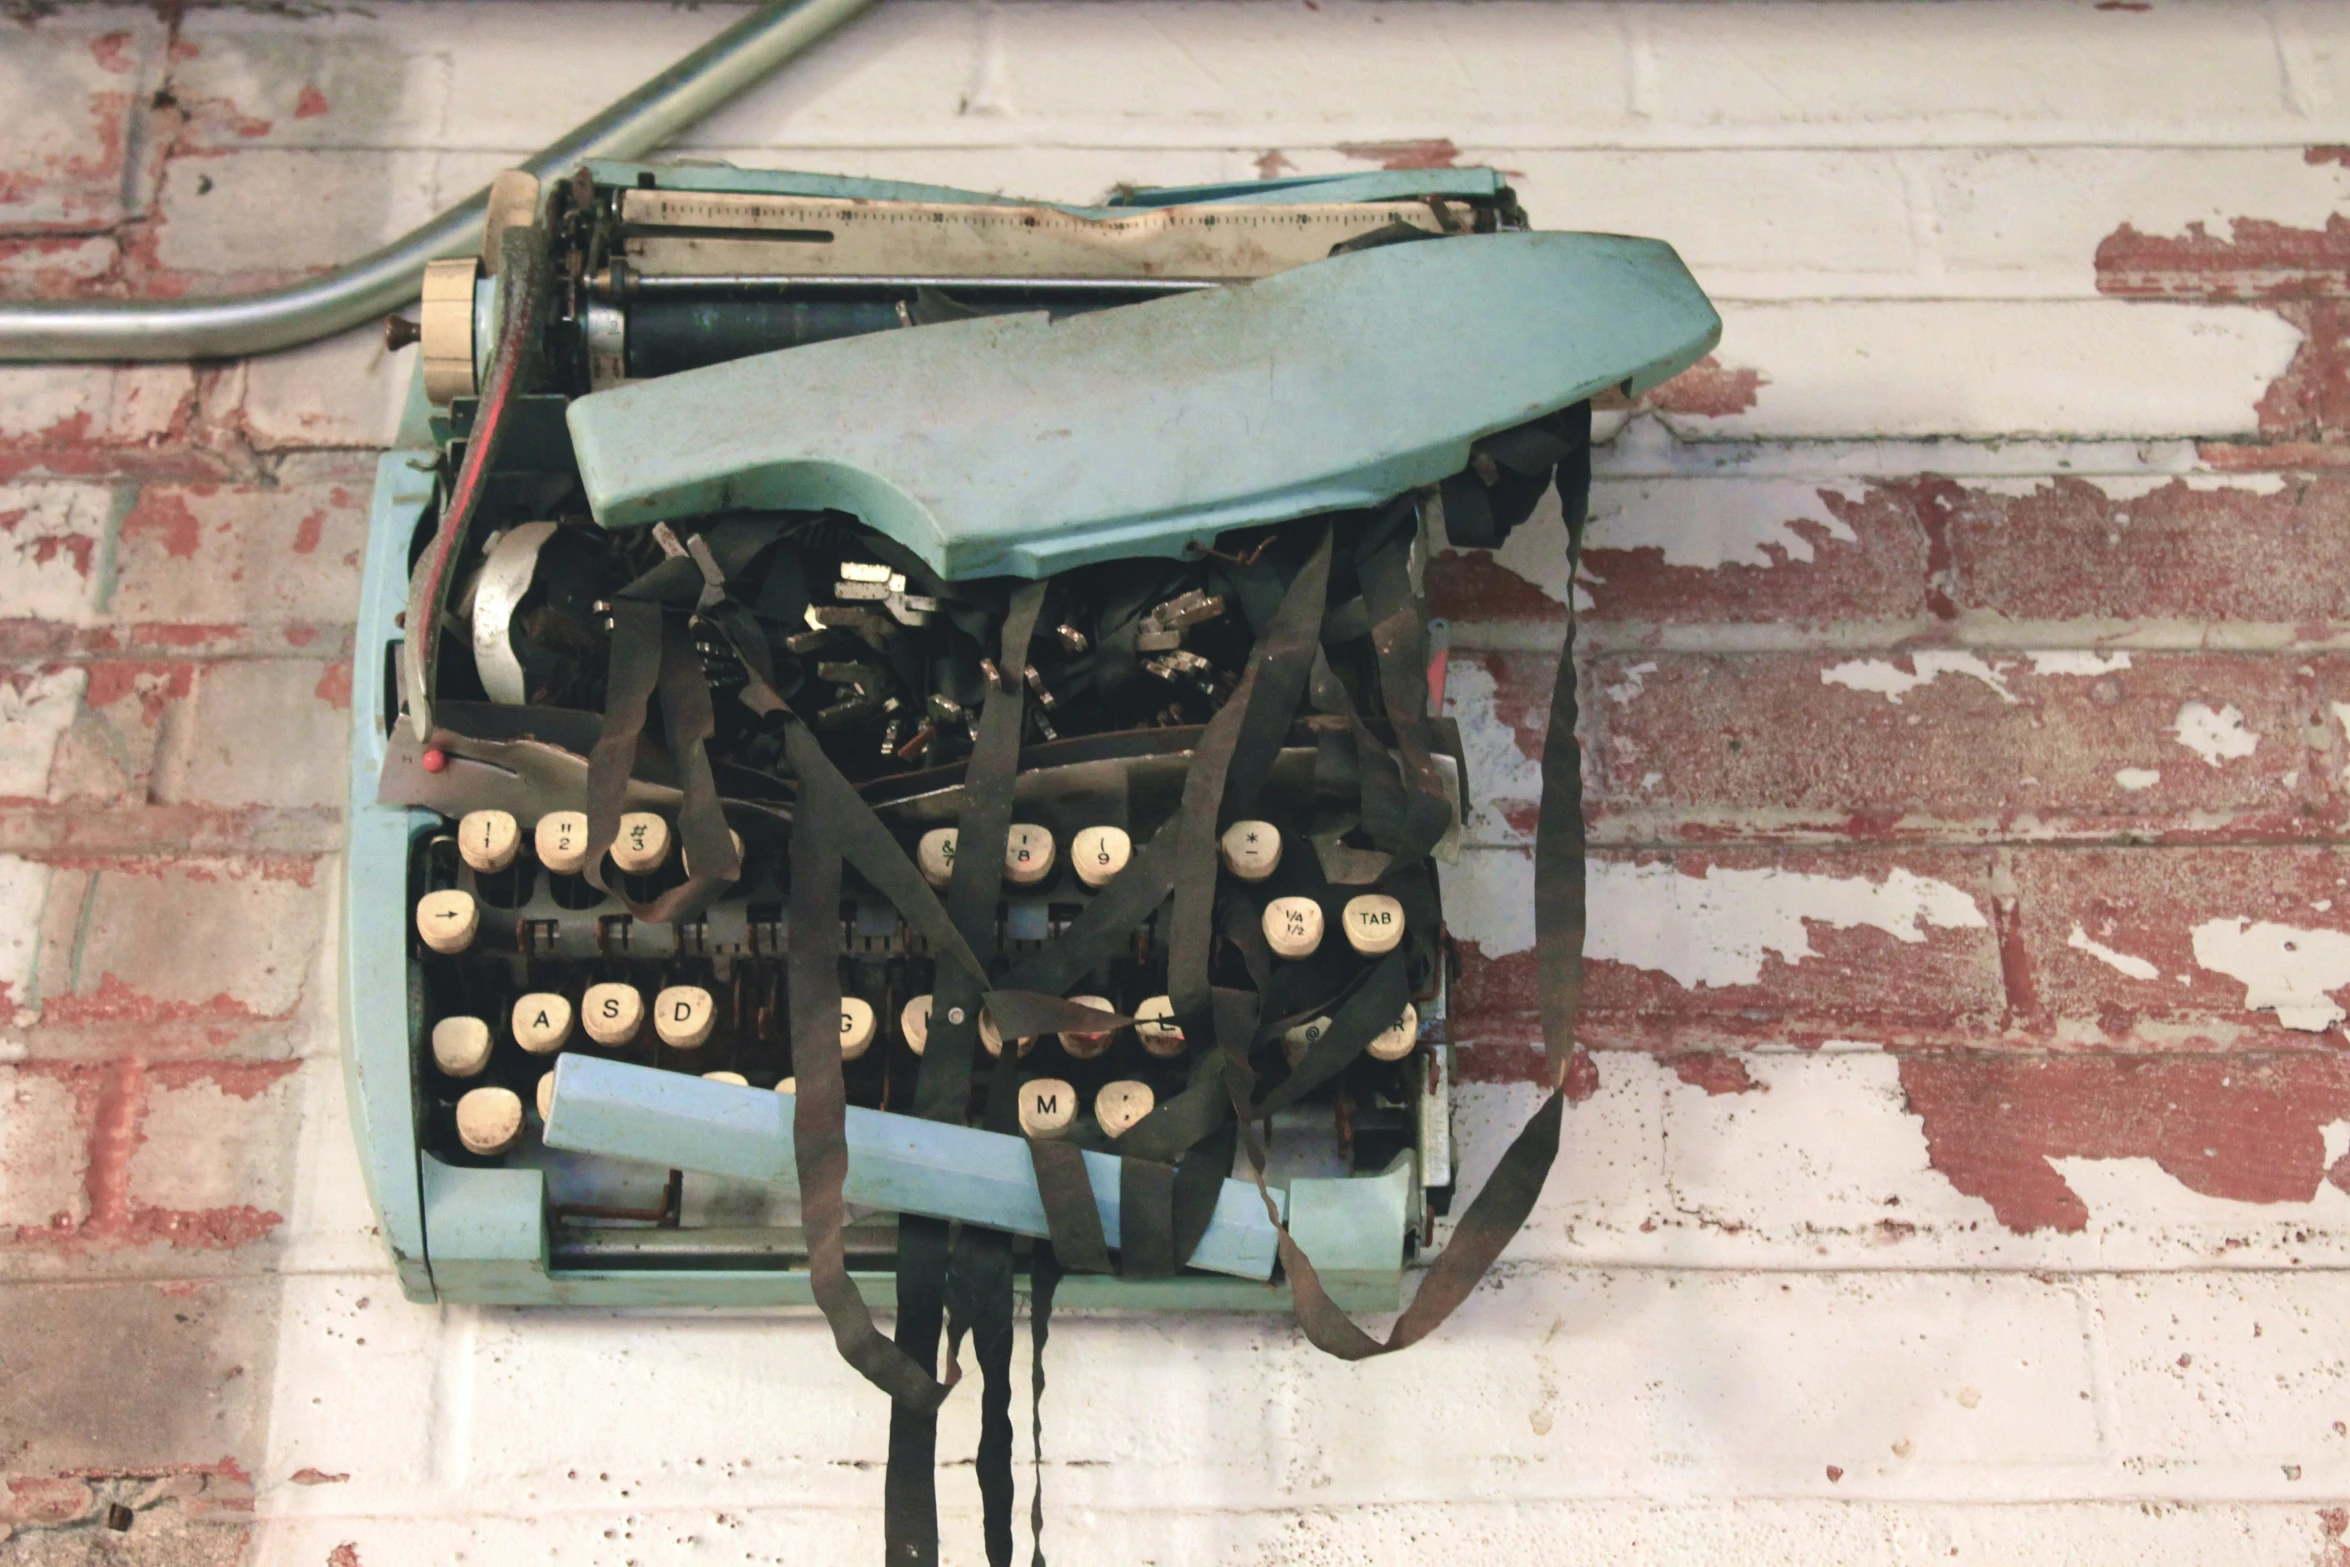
[[542, 1022]]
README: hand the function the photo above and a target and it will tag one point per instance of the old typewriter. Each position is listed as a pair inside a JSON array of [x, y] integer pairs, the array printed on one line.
[[799, 597]]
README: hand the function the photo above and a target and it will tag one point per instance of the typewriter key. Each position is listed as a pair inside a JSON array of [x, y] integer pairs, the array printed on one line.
[[612, 1013], [1047, 1106], [790, 1085], [489, 1120], [447, 920], [546, 1095], [1251, 850], [736, 1078], [1099, 853], [643, 843], [1374, 923], [1028, 854], [686, 859], [461, 1046], [1083, 1047], [683, 1016], [1293, 926], [1119, 1105], [993, 1038], [561, 839], [542, 1022], [1397, 1041], [856, 1027], [1154, 1024], [1297, 1041], [935, 854], [489, 840], [914, 1023]]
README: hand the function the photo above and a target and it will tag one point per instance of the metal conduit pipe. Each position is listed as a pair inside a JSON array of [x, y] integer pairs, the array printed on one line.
[[376, 284]]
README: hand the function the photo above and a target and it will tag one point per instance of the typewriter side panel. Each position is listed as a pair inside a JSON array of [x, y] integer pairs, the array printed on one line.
[[381, 1021]]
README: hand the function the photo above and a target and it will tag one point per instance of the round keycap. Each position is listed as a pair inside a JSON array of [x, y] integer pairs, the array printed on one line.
[[856, 1027], [461, 1046], [1047, 1106], [914, 1023], [448, 920], [1028, 854], [1155, 1026], [1085, 1047], [1397, 1041], [1293, 926], [789, 1085], [542, 1022], [489, 1120], [546, 1095], [1251, 850], [561, 839], [612, 1014], [683, 1016], [992, 1039], [643, 843], [686, 859], [1297, 1041], [1374, 923], [736, 1078], [1119, 1105], [1099, 853], [489, 840], [935, 854]]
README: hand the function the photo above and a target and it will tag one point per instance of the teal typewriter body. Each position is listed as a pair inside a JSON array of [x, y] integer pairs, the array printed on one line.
[[942, 390]]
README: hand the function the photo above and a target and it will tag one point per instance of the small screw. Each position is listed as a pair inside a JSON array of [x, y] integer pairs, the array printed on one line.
[[954, 1014]]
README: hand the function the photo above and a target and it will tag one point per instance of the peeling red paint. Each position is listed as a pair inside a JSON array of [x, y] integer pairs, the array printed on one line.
[[1272, 165], [308, 532], [1581, 1080], [1468, 586], [155, 686], [311, 104], [1709, 389], [49, 1500], [1716, 1074], [112, 51], [114, 1001], [317, 1477], [2250, 1130], [344, 1555], [334, 686], [163, 515], [1430, 152], [237, 1079]]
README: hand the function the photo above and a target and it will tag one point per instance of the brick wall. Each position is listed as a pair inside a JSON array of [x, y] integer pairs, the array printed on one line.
[[1962, 1167]]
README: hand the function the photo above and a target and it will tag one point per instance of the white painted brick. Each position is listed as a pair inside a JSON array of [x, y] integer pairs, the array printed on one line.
[[221, 1139], [24, 907], [272, 213], [260, 559], [133, 960], [41, 1143], [2080, 369], [70, 406], [52, 543], [209, 758], [73, 87], [344, 391], [37, 707]]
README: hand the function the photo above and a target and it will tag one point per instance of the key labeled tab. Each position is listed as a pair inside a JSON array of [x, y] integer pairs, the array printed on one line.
[[1374, 923], [683, 1016], [1251, 850], [542, 1022], [856, 1027], [1047, 1106], [1295, 1042], [1085, 1047], [1098, 854], [488, 840], [448, 920], [914, 1023], [561, 840], [1155, 1026], [1293, 926], [612, 1014], [1028, 854], [489, 1120], [1119, 1105], [1397, 1040], [935, 855], [642, 844], [461, 1046]]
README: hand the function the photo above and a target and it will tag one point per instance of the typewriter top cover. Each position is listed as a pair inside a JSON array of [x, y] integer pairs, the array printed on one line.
[[895, 706]]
